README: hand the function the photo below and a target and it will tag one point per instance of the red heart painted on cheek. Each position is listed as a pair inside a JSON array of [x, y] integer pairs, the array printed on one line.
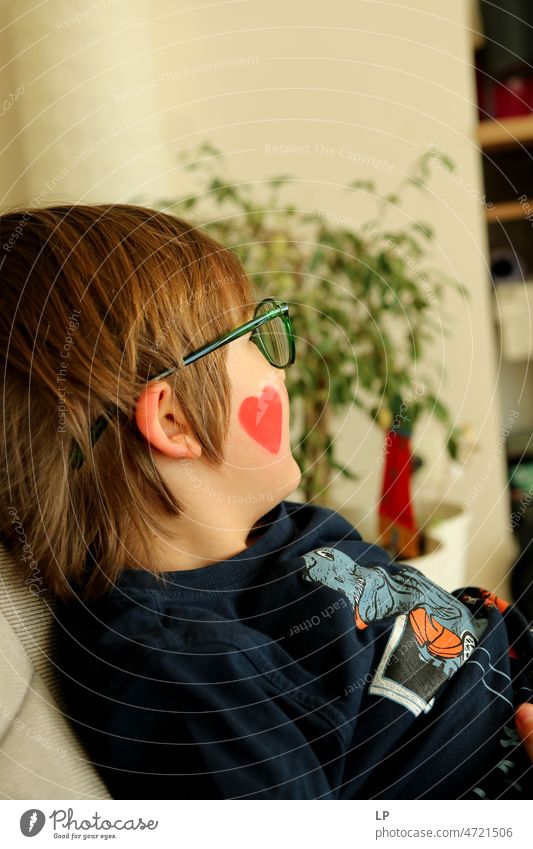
[[261, 418]]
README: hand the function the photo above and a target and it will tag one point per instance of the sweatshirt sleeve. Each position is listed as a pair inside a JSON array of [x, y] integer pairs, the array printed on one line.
[[205, 723]]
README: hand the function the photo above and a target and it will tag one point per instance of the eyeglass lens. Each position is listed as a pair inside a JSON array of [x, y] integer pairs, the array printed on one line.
[[274, 337]]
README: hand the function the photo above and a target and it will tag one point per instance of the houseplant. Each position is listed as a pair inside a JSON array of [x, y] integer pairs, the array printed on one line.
[[361, 298]]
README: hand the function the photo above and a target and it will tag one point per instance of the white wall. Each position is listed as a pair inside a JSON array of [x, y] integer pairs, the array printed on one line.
[[380, 79], [78, 138]]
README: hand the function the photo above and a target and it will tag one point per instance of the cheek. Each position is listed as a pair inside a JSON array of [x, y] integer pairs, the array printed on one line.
[[261, 418]]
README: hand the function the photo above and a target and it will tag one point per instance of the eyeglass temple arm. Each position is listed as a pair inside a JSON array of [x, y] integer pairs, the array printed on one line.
[[230, 336]]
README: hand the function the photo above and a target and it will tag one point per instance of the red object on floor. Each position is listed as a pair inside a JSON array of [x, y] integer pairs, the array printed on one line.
[[513, 96], [398, 528]]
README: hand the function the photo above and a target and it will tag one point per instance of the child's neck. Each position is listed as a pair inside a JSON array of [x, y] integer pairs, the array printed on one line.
[[192, 547]]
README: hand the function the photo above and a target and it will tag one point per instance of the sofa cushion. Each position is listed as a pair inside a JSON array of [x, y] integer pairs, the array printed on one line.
[[41, 756]]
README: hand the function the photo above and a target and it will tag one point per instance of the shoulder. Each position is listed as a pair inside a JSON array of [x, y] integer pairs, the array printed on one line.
[[118, 643]]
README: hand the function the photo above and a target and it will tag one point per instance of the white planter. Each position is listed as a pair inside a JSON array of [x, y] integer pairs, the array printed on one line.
[[448, 526]]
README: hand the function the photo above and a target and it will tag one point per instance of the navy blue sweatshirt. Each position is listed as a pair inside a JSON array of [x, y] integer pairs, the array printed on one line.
[[306, 667]]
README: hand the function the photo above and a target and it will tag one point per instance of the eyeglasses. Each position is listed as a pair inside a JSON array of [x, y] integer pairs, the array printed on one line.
[[272, 332]]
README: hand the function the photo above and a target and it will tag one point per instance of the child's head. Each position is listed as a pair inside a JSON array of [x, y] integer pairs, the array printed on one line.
[[96, 300]]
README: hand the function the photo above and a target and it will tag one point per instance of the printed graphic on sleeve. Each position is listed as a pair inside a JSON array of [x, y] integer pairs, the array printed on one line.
[[433, 635]]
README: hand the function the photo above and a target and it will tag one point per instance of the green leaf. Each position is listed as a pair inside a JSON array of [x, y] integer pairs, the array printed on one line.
[[344, 470], [448, 163], [425, 229], [208, 147], [366, 185], [317, 259], [418, 181], [283, 178], [437, 408]]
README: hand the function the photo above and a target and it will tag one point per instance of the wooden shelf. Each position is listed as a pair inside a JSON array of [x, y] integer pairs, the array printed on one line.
[[508, 132], [510, 211]]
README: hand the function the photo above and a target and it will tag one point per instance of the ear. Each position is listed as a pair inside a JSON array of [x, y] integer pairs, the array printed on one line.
[[161, 421]]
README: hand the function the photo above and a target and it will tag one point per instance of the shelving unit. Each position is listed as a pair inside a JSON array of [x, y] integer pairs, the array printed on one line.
[[506, 133], [503, 62], [509, 211], [507, 148]]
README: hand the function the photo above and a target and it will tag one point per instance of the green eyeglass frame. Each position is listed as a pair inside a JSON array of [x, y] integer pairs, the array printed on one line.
[[282, 357]]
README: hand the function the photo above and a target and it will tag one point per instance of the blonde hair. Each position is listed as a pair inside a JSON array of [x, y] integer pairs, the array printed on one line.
[[96, 298]]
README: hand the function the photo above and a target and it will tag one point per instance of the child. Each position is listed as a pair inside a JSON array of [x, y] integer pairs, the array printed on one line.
[[217, 640]]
